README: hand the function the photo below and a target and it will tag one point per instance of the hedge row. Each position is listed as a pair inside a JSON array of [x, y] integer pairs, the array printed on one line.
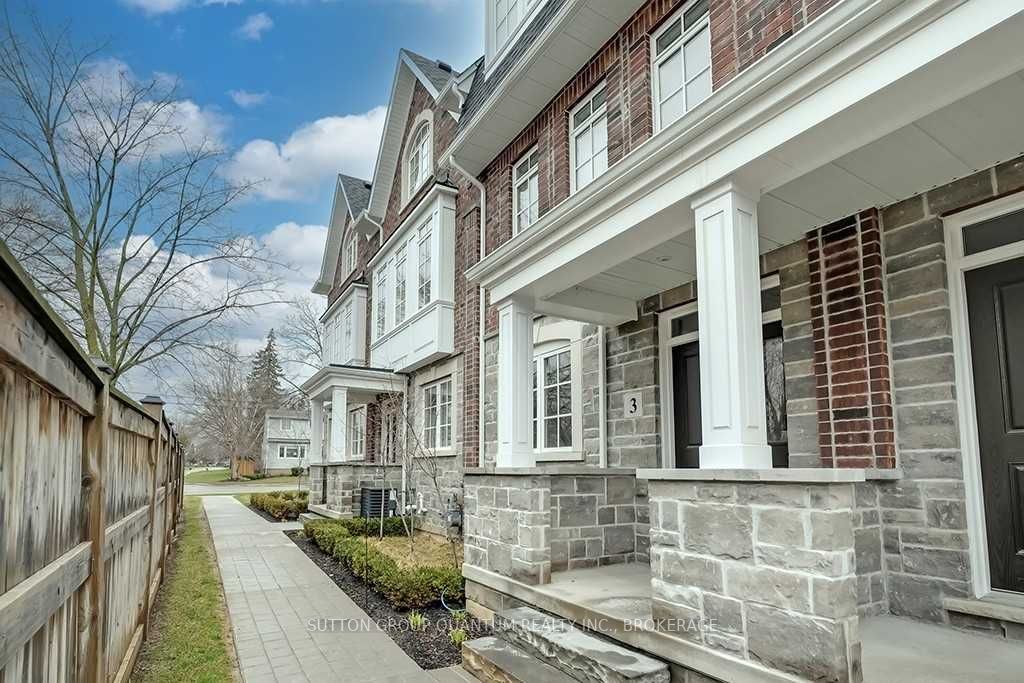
[[413, 588], [370, 526], [281, 504]]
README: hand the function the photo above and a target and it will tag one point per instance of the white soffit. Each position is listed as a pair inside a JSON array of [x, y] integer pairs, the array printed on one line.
[[586, 27]]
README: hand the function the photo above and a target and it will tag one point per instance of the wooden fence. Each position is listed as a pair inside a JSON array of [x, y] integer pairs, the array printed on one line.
[[91, 486]]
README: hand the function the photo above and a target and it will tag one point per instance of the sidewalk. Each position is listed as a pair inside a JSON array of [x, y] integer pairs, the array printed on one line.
[[273, 591]]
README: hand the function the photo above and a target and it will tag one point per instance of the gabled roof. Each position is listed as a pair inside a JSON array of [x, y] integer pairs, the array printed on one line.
[[411, 67], [351, 196]]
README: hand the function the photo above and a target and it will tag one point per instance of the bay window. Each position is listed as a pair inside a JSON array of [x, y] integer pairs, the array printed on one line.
[[437, 414], [400, 285], [424, 267], [681, 69], [588, 145], [524, 193], [346, 351], [552, 400]]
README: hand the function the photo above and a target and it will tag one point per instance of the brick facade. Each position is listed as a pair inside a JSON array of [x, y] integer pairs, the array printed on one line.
[[851, 352]]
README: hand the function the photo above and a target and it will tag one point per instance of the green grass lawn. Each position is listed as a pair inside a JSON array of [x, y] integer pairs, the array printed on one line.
[[216, 476], [188, 636], [222, 476], [243, 498]]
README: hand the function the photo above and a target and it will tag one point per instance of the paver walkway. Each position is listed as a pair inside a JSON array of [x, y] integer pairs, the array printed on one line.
[[275, 596]]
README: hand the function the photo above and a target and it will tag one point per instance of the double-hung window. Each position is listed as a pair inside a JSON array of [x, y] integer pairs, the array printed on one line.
[[357, 433], [424, 267], [400, 285], [681, 51], [350, 255], [288, 451], [437, 414], [524, 193], [382, 300], [588, 148], [552, 400], [286, 424]]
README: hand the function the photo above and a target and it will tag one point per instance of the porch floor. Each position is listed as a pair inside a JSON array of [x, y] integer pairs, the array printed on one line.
[[894, 649]]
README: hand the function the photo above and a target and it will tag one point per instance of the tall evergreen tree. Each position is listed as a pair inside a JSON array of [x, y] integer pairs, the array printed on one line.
[[265, 378]]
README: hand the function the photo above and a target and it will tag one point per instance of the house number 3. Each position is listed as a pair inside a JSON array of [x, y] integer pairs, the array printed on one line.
[[633, 404]]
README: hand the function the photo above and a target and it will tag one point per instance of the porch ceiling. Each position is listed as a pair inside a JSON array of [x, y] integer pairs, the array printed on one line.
[[971, 134]]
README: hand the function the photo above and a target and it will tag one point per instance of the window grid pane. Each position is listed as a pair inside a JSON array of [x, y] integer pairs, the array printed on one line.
[[683, 65], [400, 286], [424, 270], [553, 401], [382, 301]]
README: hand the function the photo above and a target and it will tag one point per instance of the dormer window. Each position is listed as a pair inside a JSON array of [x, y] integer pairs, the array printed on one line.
[[418, 159]]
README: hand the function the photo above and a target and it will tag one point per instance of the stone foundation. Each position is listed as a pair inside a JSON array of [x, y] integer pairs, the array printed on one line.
[[345, 481]]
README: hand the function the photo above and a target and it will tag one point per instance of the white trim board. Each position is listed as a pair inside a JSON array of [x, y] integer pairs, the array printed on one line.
[[957, 264]]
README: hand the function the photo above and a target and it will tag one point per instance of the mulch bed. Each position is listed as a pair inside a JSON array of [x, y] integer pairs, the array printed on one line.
[[431, 648], [267, 516]]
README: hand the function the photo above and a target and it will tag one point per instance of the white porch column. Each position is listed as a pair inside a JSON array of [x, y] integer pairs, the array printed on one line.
[[339, 424], [316, 432], [731, 348], [515, 383]]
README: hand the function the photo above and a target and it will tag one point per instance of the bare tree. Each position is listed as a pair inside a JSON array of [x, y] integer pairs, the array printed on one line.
[[302, 335], [224, 418], [112, 198]]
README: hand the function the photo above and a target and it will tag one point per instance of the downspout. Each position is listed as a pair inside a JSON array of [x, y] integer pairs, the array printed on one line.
[[602, 399], [480, 358]]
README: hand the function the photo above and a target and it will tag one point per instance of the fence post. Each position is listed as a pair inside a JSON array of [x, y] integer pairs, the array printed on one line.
[[154, 408], [97, 440]]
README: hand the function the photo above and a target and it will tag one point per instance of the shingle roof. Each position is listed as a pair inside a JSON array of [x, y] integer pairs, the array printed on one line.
[[483, 86], [439, 73], [357, 191]]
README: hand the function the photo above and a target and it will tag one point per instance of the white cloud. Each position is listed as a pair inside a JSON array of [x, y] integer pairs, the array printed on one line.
[[246, 99], [222, 3], [316, 151], [254, 26], [184, 123], [157, 6]]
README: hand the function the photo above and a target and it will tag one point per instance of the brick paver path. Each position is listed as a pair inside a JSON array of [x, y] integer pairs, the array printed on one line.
[[274, 592]]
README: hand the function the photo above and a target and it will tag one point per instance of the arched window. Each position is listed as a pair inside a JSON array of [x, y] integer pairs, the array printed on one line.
[[419, 162]]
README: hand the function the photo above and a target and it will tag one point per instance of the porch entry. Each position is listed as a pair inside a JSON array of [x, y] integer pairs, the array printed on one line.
[[680, 381], [995, 310]]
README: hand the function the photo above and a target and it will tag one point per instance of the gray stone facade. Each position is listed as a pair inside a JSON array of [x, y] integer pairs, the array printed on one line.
[[345, 482], [924, 519], [526, 526], [767, 570], [631, 358]]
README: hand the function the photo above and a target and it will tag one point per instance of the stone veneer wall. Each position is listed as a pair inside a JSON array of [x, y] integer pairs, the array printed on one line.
[[924, 515], [768, 569], [447, 470], [345, 481], [631, 364], [526, 526], [597, 520]]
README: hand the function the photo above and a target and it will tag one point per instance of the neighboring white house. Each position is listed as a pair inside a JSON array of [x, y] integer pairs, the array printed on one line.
[[285, 441]]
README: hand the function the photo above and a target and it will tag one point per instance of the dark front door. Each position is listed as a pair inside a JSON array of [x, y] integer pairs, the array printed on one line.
[[995, 304], [686, 400]]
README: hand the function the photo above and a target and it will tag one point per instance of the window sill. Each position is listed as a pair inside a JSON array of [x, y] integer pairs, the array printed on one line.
[[558, 456], [423, 312]]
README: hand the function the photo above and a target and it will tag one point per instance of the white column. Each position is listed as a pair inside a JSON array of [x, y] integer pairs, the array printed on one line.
[[515, 383], [316, 432], [339, 424], [731, 348]]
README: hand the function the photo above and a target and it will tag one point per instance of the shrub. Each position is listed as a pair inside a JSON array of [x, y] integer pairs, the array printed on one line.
[[297, 471], [281, 504], [370, 526], [403, 588]]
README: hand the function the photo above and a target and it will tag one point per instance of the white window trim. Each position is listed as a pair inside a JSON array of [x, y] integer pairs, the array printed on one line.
[[351, 256], [433, 448], [666, 342], [283, 448], [656, 60], [425, 119], [425, 234], [957, 265], [534, 172], [401, 267], [538, 364], [550, 335], [496, 52], [381, 313], [285, 423], [356, 427], [600, 111]]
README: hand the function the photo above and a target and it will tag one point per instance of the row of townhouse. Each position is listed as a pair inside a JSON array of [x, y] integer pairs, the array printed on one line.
[[711, 304]]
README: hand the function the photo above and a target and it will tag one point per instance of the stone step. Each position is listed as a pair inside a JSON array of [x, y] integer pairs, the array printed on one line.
[[494, 660], [310, 517], [576, 652]]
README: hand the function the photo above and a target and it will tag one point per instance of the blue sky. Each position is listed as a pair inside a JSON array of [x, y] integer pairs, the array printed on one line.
[[294, 89]]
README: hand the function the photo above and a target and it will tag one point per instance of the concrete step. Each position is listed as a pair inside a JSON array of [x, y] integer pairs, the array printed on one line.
[[583, 656], [310, 517], [494, 660], [324, 511]]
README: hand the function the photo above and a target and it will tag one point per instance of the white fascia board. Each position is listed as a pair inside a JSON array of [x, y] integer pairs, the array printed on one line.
[[850, 53], [332, 248], [422, 77], [387, 152], [354, 378]]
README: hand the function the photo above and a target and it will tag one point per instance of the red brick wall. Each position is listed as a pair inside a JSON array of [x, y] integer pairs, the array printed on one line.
[[851, 357], [742, 31]]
